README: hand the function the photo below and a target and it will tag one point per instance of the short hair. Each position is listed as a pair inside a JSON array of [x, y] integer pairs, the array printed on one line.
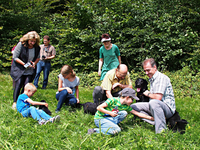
[[46, 37], [29, 36], [67, 69], [105, 35], [30, 86], [151, 60]]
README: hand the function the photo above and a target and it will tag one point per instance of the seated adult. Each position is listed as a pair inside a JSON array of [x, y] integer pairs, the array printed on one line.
[[162, 102], [114, 81]]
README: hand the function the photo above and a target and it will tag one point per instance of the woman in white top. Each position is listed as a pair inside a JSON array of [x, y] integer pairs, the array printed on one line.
[[68, 84]]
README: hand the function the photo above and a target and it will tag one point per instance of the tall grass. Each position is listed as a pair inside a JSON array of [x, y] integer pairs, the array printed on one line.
[[19, 133]]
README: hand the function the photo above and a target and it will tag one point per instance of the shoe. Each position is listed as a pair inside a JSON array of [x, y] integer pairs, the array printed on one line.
[[90, 131], [41, 121], [55, 119], [43, 88], [14, 106], [57, 111]]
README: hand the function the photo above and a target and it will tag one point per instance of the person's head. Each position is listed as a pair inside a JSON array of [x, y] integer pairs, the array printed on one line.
[[106, 40], [149, 66], [121, 71], [67, 71], [128, 95], [31, 39], [30, 89], [46, 40]]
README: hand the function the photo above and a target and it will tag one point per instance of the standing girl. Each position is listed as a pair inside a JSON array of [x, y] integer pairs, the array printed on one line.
[[67, 86], [109, 56]]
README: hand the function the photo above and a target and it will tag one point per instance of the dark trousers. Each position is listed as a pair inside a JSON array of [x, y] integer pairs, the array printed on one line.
[[20, 83]]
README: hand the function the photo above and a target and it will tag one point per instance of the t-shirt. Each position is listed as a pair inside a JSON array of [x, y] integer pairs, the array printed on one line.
[[112, 103], [110, 60], [67, 83], [22, 103]]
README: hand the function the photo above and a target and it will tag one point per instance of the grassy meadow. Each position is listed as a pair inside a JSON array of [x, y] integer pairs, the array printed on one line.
[[19, 133]]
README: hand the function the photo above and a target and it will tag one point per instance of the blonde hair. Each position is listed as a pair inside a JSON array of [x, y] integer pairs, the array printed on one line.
[[67, 69], [29, 36], [30, 86]]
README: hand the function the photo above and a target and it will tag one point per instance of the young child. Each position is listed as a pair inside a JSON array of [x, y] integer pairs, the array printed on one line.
[[24, 102], [113, 111], [67, 86]]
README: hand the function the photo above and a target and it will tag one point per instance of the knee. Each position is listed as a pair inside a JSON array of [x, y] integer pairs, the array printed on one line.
[[97, 89], [153, 104], [123, 113], [64, 92]]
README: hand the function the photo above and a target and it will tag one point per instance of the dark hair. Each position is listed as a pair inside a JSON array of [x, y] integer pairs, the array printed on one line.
[[46, 37], [151, 60], [105, 35]]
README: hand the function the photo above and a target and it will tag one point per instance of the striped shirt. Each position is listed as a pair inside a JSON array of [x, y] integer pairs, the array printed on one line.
[[112, 103], [160, 83], [111, 78]]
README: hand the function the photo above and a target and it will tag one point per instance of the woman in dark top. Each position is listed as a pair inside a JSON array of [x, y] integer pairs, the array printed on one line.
[[25, 58]]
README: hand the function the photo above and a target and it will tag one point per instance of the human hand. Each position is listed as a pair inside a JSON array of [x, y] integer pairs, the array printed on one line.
[[78, 101], [99, 73], [113, 113], [46, 104], [115, 85], [69, 90], [146, 93]]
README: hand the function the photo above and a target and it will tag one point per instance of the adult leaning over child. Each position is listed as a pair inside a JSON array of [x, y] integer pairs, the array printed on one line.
[[68, 84], [114, 81], [162, 102], [26, 55]]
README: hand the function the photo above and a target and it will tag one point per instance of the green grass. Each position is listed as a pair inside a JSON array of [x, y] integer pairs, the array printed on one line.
[[19, 133]]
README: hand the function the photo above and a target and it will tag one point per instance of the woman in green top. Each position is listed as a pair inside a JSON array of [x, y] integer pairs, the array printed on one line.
[[109, 56]]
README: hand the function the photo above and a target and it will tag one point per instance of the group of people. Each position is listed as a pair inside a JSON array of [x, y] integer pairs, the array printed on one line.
[[114, 97]]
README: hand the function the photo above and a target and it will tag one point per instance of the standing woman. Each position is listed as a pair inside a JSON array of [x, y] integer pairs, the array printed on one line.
[[25, 57], [109, 56]]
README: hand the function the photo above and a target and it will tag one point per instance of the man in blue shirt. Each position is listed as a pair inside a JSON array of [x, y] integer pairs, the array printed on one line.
[[162, 101]]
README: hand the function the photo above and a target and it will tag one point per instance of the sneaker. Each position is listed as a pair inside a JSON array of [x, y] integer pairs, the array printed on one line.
[[43, 88], [55, 119], [14, 105], [41, 121], [90, 131]]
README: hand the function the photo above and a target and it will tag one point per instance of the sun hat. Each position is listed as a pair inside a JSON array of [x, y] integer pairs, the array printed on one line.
[[104, 40], [129, 92]]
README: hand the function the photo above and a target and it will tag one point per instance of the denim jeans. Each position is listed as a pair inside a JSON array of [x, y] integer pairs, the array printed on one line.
[[109, 125], [35, 113], [64, 97], [45, 66]]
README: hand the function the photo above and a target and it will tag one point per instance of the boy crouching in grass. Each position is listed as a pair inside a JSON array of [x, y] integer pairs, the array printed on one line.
[[113, 111], [24, 102]]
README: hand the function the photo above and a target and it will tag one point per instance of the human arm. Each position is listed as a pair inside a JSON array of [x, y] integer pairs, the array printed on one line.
[[36, 103], [119, 59], [121, 86], [77, 94], [100, 65], [102, 109], [108, 94], [60, 88], [141, 115], [157, 96], [51, 57]]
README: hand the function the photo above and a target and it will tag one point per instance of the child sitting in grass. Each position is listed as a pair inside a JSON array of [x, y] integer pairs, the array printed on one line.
[[68, 84], [24, 102], [113, 111]]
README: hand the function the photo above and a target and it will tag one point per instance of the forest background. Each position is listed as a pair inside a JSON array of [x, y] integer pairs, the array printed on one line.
[[165, 30]]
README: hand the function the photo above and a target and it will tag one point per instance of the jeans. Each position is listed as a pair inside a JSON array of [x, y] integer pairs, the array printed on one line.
[[64, 97], [156, 108], [35, 113], [45, 66], [109, 125]]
